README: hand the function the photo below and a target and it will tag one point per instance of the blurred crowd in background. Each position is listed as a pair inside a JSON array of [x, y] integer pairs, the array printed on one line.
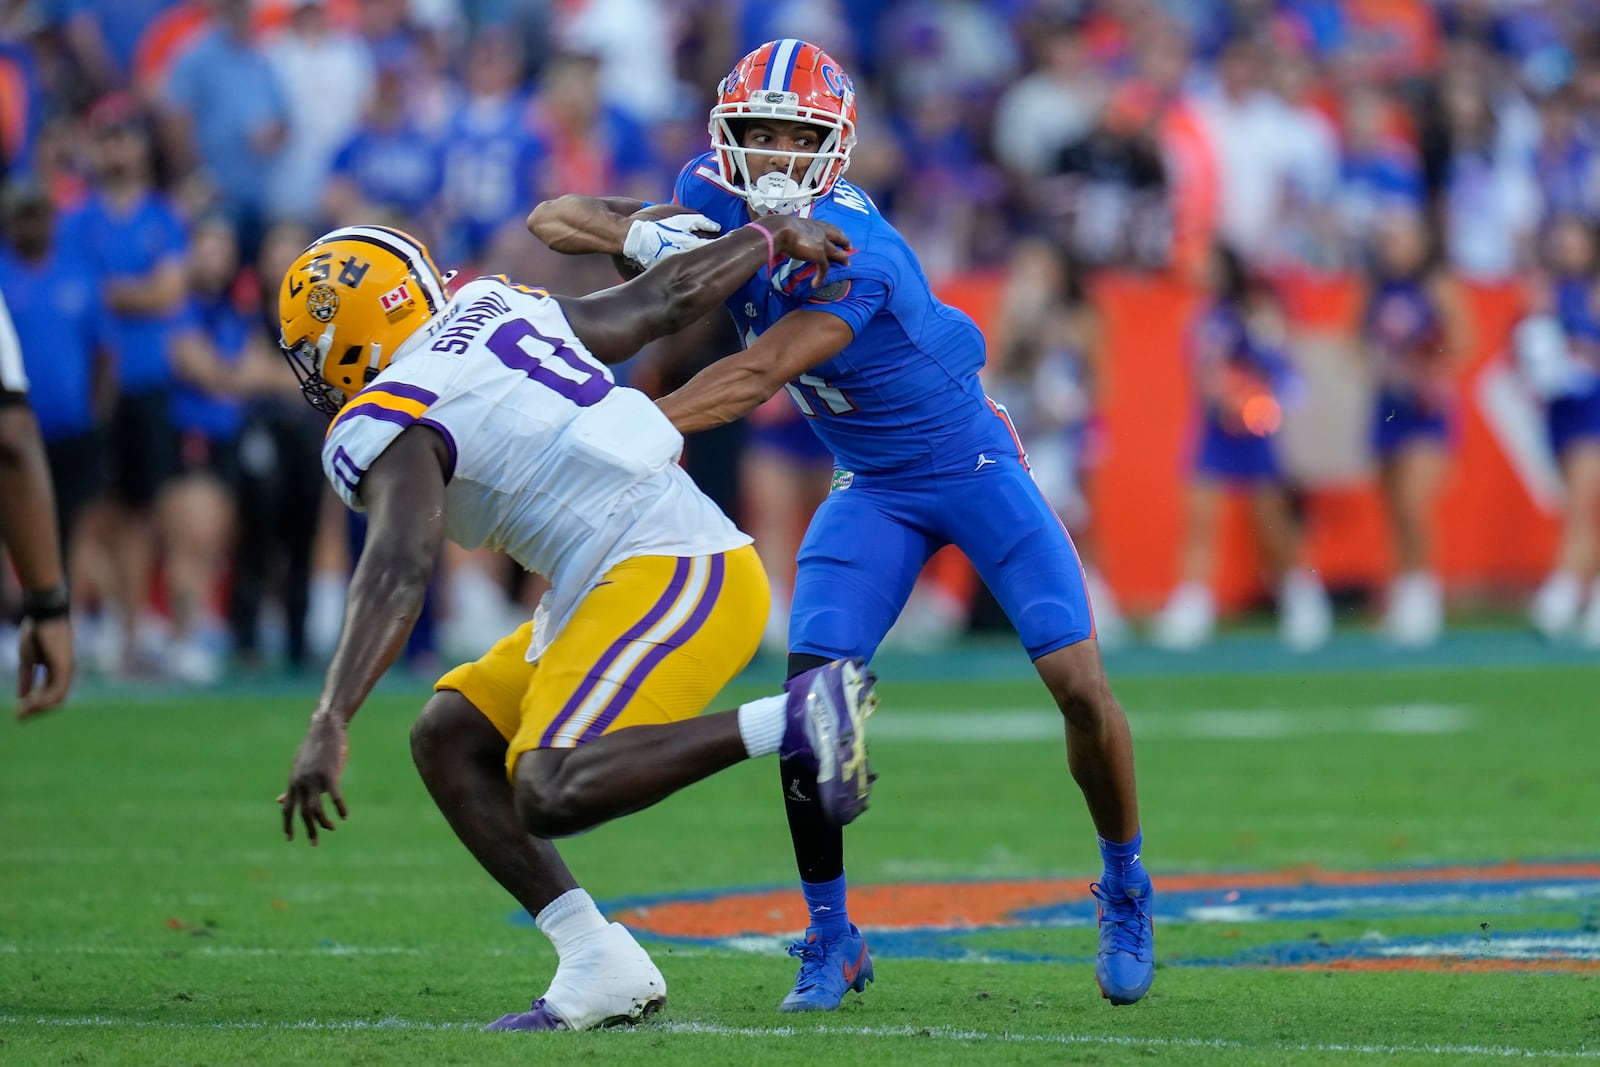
[[165, 159]]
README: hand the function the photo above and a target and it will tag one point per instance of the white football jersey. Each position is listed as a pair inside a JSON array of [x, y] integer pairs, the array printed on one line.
[[553, 462]]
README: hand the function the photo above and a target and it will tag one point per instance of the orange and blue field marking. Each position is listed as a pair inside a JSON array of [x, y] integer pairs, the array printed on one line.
[[937, 920]]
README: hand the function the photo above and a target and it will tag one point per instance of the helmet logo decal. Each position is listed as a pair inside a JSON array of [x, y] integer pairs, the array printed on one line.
[[354, 270], [836, 79], [322, 303], [397, 302], [774, 97]]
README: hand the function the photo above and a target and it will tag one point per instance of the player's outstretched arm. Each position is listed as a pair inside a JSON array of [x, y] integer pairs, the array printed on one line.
[[578, 225], [404, 494], [615, 323], [730, 388]]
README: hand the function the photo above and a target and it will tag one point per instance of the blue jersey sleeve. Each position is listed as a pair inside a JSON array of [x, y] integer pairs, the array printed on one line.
[[855, 300], [855, 291], [700, 186]]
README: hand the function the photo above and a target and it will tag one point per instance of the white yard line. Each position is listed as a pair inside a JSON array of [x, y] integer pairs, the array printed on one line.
[[933, 1033], [1227, 724]]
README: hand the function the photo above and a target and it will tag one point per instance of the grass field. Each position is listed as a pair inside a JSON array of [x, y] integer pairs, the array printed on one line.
[[151, 913]]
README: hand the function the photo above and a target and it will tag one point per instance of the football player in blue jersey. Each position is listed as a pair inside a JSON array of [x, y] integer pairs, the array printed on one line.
[[888, 377]]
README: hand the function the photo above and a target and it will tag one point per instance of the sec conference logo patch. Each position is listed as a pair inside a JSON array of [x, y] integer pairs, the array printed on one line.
[[842, 480]]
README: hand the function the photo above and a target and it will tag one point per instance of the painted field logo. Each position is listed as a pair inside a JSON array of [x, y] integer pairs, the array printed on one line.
[[944, 920]]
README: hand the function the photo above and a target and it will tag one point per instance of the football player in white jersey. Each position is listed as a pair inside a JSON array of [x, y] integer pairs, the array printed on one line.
[[491, 418]]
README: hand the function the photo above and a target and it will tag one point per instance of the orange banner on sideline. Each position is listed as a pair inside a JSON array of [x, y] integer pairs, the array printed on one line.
[[1491, 533]]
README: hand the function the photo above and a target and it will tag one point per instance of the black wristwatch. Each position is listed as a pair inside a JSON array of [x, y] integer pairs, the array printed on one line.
[[42, 605]]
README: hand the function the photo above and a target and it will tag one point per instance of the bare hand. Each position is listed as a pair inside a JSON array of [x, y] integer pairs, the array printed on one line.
[[46, 644], [317, 766], [816, 242]]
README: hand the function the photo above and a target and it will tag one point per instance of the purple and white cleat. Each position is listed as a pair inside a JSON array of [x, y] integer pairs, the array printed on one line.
[[828, 710], [538, 1017], [605, 979]]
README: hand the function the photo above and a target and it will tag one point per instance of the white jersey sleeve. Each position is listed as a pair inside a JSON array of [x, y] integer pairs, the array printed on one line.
[[13, 375], [398, 399]]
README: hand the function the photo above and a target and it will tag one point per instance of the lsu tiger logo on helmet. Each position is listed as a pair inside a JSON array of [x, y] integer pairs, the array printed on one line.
[[348, 302], [792, 81]]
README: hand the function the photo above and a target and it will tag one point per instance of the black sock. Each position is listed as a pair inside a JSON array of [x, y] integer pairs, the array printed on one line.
[[818, 846]]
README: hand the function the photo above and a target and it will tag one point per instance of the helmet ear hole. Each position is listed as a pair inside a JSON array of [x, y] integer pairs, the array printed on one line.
[[352, 355]]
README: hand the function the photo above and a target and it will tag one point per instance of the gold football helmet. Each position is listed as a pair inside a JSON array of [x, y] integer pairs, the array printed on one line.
[[348, 302]]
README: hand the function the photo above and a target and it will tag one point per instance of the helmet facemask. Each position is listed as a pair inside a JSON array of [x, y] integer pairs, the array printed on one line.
[[776, 193], [305, 359]]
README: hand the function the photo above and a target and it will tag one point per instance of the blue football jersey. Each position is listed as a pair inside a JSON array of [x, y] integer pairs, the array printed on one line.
[[904, 395]]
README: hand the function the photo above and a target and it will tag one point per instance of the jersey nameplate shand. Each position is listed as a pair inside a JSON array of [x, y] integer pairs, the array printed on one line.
[[457, 331]]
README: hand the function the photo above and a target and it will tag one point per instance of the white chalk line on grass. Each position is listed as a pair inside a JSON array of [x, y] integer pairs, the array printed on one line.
[[189, 947], [926, 1033], [1217, 724]]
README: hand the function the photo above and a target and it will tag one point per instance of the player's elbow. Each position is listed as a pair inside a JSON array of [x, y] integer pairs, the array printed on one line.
[[542, 219], [557, 223]]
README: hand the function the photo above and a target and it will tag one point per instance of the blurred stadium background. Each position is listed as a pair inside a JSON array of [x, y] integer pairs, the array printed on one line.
[[1261, 216]]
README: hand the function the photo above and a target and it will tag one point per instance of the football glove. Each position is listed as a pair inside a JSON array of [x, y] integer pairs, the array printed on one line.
[[649, 241]]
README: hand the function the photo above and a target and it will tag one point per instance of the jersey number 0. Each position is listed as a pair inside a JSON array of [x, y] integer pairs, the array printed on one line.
[[549, 362]]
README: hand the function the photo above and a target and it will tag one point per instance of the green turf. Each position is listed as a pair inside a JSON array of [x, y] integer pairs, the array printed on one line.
[[150, 912]]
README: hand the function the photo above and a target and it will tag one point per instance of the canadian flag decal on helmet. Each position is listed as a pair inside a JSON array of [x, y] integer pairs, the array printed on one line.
[[396, 298]]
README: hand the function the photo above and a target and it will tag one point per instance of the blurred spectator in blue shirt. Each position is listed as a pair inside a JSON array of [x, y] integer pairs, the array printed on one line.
[[55, 305], [198, 511], [1380, 172], [490, 158], [1567, 160], [229, 115], [136, 243], [389, 170]]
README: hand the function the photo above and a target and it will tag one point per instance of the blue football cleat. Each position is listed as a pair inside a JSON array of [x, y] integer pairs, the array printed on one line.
[[1127, 963], [828, 970]]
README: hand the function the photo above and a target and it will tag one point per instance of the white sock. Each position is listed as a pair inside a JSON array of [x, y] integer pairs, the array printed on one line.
[[761, 725], [568, 917]]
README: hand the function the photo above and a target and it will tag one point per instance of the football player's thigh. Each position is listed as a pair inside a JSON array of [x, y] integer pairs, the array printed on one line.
[[1023, 554], [856, 567], [496, 682], [652, 644]]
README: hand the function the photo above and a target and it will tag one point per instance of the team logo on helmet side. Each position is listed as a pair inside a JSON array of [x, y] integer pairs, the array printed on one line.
[[322, 303]]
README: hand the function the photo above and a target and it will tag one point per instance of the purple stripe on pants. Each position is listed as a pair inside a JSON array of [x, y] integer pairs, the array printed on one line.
[[679, 638], [680, 575]]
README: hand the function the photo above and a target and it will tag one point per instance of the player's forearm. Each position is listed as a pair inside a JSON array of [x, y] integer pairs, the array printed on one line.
[[578, 225], [686, 287], [725, 391], [27, 501], [386, 596]]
